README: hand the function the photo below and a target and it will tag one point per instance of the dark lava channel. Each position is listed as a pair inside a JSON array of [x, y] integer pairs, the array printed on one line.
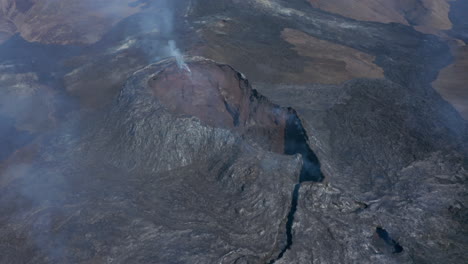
[[295, 142], [383, 234]]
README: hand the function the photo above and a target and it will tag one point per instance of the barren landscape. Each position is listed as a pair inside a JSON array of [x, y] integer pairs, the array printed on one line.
[[229, 131]]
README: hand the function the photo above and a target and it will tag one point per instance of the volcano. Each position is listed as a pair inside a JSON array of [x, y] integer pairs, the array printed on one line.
[[233, 132], [199, 151]]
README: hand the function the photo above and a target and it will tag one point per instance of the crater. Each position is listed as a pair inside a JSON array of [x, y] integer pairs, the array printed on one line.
[[213, 93], [219, 96]]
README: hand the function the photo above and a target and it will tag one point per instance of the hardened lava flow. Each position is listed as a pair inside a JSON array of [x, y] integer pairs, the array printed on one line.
[[222, 97]]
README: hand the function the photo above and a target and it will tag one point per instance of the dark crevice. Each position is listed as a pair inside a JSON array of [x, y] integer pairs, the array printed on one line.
[[289, 223], [233, 112], [296, 142], [385, 236]]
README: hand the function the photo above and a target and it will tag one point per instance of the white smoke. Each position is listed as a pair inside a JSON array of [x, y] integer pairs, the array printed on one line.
[[178, 56]]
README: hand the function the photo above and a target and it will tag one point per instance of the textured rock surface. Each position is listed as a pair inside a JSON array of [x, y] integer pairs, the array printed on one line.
[[452, 82], [401, 52], [104, 160], [424, 15], [62, 22], [330, 63], [389, 173], [145, 184], [421, 218]]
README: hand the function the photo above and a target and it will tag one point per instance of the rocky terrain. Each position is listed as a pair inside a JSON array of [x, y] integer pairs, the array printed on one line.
[[291, 132]]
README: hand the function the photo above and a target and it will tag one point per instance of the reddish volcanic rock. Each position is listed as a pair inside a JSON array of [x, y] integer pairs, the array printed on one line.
[[64, 21], [221, 97]]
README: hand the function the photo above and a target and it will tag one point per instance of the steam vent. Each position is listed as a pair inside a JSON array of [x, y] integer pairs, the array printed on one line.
[[220, 97]]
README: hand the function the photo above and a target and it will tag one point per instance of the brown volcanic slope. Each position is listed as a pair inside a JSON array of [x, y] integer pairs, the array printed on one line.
[[61, 22], [210, 92], [425, 16], [86, 21], [300, 57], [452, 82], [331, 63], [220, 97], [428, 16]]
